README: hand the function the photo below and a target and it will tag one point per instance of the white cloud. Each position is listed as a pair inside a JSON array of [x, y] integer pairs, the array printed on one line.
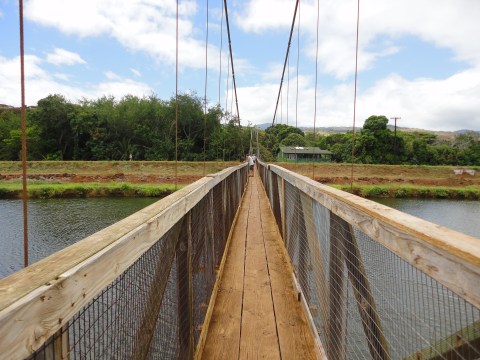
[[434, 21], [61, 76], [110, 75], [136, 72], [39, 84], [147, 26], [64, 57], [449, 104]]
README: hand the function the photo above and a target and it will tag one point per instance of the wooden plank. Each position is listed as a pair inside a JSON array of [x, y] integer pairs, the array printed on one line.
[[372, 327], [294, 335], [259, 335], [32, 301], [448, 256], [223, 337], [463, 344], [59, 347], [296, 328], [199, 351], [336, 322]]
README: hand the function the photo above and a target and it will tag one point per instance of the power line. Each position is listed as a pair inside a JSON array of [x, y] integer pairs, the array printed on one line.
[[395, 139]]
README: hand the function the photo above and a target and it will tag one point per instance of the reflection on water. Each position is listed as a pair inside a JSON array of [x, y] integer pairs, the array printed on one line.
[[461, 215], [55, 224]]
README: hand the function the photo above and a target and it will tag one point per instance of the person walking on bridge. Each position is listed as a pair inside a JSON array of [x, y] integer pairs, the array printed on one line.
[[250, 164]]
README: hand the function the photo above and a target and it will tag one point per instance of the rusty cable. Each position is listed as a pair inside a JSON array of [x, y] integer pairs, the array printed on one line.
[[24, 139], [285, 63], [355, 95]]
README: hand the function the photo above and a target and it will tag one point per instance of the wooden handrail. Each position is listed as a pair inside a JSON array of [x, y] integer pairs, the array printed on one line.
[[450, 257], [37, 301]]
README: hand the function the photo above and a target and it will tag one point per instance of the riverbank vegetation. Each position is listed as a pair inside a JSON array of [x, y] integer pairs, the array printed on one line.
[[411, 191], [111, 129], [157, 178], [130, 143], [46, 190]]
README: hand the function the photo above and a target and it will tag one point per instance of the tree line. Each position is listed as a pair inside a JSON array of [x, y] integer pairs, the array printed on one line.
[[107, 129], [110, 129], [375, 143]]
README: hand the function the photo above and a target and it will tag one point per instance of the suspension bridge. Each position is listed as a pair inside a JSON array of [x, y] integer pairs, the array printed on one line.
[[272, 266]]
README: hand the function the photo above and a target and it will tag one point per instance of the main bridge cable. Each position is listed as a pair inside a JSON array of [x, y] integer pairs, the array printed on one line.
[[24, 139], [355, 95], [231, 58], [285, 62]]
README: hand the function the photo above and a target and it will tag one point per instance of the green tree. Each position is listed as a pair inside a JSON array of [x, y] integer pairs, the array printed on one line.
[[293, 139]]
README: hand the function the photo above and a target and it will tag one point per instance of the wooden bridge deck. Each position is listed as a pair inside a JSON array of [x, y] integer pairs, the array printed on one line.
[[256, 313]]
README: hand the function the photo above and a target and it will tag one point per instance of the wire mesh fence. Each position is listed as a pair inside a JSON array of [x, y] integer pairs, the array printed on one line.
[[156, 308], [365, 300]]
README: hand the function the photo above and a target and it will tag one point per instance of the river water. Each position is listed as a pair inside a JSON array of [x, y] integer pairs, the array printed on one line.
[[463, 216], [55, 224]]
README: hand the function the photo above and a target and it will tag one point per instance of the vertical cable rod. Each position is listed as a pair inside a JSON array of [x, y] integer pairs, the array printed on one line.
[[24, 139], [298, 65], [220, 79], [355, 95], [316, 85], [176, 102], [205, 100]]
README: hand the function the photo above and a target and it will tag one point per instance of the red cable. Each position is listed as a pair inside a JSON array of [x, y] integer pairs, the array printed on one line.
[[355, 96]]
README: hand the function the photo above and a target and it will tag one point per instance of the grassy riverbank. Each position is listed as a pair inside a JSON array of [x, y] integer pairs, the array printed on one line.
[[43, 190], [157, 178], [410, 191]]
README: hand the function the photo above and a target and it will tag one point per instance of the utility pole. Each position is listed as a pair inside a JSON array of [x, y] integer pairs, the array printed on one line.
[[395, 139]]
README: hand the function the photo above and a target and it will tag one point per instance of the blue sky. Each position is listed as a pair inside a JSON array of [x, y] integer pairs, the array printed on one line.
[[418, 60]]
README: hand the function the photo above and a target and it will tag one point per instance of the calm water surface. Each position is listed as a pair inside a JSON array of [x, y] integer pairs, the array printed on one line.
[[55, 224], [463, 216]]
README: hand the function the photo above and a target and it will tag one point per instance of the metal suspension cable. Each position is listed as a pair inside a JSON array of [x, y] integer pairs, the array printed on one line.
[[281, 107], [205, 100], [231, 58], [226, 99], [220, 56], [288, 85], [285, 62], [220, 77], [298, 65], [316, 84], [355, 94], [24, 139], [176, 101]]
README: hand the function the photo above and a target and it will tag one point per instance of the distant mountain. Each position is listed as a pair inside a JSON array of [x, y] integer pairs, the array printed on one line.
[[263, 126]]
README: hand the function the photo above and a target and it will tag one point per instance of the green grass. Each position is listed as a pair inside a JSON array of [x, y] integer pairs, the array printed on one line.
[[45, 190], [410, 191]]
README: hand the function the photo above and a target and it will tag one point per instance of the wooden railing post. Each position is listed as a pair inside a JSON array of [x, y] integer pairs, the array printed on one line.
[[59, 348], [337, 324], [282, 207], [372, 328], [185, 290], [313, 239]]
